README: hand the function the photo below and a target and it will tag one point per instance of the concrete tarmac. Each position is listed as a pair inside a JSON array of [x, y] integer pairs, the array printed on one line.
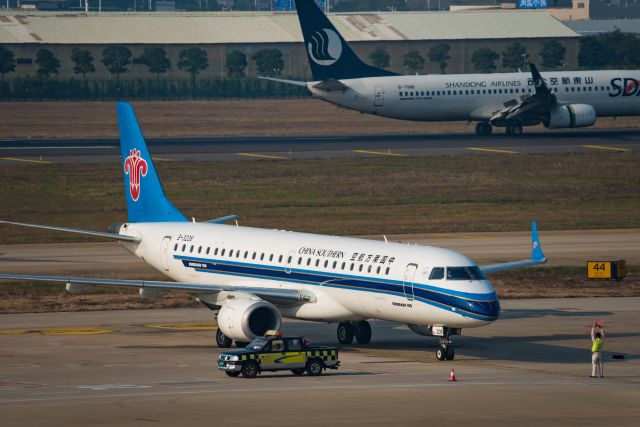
[[98, 150], [529, 368], [572, 248]]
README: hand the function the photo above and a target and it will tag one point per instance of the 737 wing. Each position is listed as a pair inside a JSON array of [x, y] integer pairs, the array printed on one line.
[[537, 256], [532, 108]]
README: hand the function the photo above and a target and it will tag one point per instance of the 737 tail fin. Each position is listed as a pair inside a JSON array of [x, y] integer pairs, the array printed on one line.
[[146, 201], [329, 54]]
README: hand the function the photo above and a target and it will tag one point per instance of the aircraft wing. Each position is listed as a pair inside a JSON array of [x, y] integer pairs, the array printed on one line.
[[111, 236], [537, 256], [285, 81], [275, 295], [535, 105]]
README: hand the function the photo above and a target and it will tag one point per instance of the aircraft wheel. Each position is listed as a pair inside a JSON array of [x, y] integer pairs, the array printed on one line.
[[250, 369], [450, 353], [222, 340], [483, 128], [441, 354], [363, 332], [346, 332]]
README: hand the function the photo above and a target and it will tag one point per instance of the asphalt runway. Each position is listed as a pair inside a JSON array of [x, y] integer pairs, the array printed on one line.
[[158, 367], [282, 148]]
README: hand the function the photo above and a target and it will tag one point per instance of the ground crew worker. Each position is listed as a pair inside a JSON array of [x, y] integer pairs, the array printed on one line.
[[597, 347]]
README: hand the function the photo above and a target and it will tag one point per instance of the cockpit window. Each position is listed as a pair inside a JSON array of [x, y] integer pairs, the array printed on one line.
[[464, 273], [436, 273]]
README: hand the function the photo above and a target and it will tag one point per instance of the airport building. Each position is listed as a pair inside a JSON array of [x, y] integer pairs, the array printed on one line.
[[24, 33]]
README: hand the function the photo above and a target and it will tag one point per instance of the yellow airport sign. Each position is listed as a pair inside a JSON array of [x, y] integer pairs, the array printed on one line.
[[606, 269]]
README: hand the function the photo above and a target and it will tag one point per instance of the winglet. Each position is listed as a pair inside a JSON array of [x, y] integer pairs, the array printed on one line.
[[536, 247]]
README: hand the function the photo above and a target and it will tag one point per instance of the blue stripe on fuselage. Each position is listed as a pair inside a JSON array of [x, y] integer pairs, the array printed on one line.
[[477, 306]]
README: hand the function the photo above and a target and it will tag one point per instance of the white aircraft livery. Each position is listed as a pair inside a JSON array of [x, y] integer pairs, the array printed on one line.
[[562, 99], [254, 277]]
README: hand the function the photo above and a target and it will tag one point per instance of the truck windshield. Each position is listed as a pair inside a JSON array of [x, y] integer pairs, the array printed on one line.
[[464, 273], [258, 343]]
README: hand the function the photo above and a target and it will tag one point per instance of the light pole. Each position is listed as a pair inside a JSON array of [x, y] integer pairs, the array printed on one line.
[[524, 60]]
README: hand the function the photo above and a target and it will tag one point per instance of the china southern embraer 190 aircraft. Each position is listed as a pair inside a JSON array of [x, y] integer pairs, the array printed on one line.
[[562, 99], [253, 277]]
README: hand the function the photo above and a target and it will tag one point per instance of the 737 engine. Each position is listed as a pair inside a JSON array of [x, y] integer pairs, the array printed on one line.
[[246, 319], [570, 116]]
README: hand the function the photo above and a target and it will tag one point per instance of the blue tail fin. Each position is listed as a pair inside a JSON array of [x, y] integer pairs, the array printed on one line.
[[146, 201], [536, 248], [329, 55]]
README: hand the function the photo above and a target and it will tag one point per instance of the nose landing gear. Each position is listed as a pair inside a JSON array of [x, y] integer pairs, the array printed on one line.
[[445, 351]]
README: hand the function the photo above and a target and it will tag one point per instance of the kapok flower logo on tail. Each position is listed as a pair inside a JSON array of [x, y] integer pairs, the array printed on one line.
[[134, 166]]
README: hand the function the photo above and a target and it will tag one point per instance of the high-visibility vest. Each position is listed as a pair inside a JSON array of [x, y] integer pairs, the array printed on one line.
[[598, 345]]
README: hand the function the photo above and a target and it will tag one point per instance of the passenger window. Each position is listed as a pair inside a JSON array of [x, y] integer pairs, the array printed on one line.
[[308, 261], [280, 258], [262, 256], [238, 253], [277, 346], [246, 254], [271, 257], [335, 263], [299, 260], [360, 269], [215, 252], [184, 248], [191, 249], [326, 263], [199, 249], [342, 267], [289, 260], [437, 273], [386, 271], [351, 267], [175, 248], [208, 250], [317, 262], [254, 256], [369, 269], [222, 253], [378, 270], [294, 344]]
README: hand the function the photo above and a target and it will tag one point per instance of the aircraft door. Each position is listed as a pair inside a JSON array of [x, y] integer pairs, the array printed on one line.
[[407, 282], [166, 244], [378, 96], [290, 258]]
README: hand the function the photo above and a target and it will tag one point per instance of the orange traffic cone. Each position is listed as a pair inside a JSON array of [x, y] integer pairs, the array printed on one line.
[[452, 376]]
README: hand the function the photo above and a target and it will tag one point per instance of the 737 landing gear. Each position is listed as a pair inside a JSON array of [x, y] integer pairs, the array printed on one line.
[[483, 128], [513, 130], [346, 332]]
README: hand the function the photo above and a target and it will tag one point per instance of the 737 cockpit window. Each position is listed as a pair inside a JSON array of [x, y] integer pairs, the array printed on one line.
[[464, 273], [437, 273]]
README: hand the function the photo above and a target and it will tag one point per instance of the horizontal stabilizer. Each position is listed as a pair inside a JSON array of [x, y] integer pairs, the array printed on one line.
[[222, 219], [100, 234], [285, 81], [331, 85], [537, 256], [269, 294]]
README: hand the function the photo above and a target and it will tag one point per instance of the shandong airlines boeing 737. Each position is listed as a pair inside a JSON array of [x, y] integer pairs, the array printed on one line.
[[562, 99], [254, 277]]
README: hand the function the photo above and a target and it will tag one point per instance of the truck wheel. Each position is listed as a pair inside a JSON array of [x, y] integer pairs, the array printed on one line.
[[363, 332], [346, 332], [249, 369], [222, 340], [232, 373], [298, 371], [314, 367]]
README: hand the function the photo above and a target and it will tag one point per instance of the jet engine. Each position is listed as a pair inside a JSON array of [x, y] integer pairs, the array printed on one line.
[[570, 116], [246, 319]]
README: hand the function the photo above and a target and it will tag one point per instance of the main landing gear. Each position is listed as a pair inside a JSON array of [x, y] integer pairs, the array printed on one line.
[[483, 128], [361, 331], [513, 130]]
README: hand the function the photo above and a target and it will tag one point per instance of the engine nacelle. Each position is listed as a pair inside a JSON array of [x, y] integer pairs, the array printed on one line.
[[246, 319], [570, 116]]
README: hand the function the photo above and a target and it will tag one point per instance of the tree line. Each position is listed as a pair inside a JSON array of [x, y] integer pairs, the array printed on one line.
[[117, 58]]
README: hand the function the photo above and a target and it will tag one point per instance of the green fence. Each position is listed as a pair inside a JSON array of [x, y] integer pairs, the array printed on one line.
[[29, 89]]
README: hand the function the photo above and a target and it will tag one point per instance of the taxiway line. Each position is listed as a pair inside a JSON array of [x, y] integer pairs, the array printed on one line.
[[266, 156]]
